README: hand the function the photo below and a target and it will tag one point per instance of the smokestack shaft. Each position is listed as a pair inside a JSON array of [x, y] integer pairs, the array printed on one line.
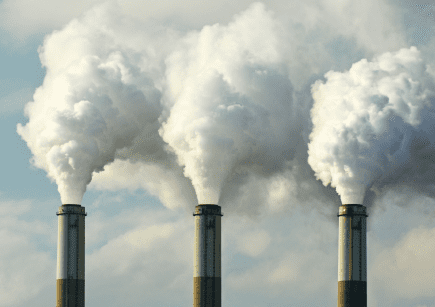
[[207, 256], [352, 256], [70, 277]]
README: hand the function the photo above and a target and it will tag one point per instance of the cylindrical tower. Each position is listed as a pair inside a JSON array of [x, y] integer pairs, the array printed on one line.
[[352, 256], [207, 257], [70, 279]]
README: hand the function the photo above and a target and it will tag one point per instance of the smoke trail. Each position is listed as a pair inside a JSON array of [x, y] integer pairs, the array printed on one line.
[[232, 106], [220, 98], [95, 100], [366, 122]]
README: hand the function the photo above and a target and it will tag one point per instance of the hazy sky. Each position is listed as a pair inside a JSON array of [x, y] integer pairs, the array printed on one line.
[[163, 65]]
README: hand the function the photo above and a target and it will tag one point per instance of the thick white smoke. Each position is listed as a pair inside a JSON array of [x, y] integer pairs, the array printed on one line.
[[220, 98], [219, 102], [231, 104], [366, 121], [97, 99]]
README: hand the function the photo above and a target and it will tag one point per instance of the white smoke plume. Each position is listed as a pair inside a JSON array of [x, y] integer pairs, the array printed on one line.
[[232, 106], [371, 123], [97, 99], [219, 102], [220, 98]]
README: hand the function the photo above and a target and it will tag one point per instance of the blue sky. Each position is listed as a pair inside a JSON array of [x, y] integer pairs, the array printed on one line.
[[279, 226]]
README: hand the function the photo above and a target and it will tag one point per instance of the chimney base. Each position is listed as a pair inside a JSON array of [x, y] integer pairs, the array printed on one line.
[[207, 291], [70, 292], [352, 293]]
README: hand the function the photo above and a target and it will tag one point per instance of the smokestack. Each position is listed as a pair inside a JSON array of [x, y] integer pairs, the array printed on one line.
[[207, 257], [352, 256], [70, 279]]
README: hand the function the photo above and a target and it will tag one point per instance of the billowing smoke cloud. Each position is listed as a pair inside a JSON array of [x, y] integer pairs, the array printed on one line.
[[97, 99], [218, 102], [220, 98], [232, 105], [372, 123]]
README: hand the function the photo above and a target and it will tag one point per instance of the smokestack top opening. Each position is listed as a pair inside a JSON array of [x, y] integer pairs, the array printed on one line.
[[71, 209], [352, 210], [207, 209]]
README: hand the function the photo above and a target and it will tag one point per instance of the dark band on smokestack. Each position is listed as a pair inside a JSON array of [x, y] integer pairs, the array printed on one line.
[[70, 279], [352, 256], [207, 257]]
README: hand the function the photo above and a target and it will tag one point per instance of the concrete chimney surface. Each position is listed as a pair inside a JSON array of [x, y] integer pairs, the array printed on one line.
[[70, 275], [352, 256], [207, 256]]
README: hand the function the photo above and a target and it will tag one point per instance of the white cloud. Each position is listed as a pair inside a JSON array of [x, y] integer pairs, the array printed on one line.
[[149, 261], [400, 250], [287, 270], [373, 23], [408, 268], [22, 261], [24, 18], [253, 243], [300, 257]]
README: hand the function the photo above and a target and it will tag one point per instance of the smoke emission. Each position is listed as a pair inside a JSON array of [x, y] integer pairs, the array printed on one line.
[[367, 122], [217, 102], [224, 107], [232, 107], [97, 99]]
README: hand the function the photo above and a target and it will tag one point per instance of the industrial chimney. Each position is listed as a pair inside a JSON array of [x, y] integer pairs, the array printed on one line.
[[352, 256], [207, 257], [70, 279]]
